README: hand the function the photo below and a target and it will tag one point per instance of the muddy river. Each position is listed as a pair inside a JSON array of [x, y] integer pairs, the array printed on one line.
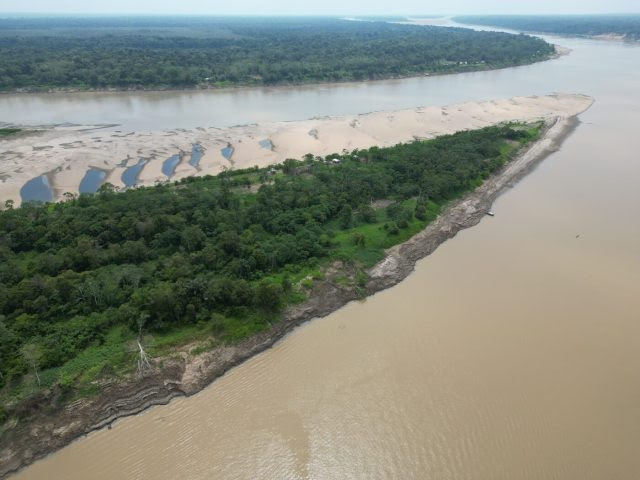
[[513, 352]]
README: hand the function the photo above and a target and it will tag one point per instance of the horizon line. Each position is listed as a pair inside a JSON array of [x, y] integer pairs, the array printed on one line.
[[370, 15]]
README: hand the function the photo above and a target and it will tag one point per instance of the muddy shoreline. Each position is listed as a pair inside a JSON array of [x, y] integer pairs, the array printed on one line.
[[53, 426]]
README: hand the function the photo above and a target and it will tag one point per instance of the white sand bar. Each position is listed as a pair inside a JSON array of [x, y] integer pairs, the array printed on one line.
[[66, 153]]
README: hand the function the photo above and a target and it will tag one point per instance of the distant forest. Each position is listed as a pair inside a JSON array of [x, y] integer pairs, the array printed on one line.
[[209, 257], [583, 25], [173, 52]]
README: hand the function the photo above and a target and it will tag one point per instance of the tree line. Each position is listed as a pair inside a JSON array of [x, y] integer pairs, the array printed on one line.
[[167, 52], [211, 251], [588, 25]]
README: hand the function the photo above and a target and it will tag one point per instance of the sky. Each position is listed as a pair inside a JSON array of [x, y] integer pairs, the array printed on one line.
[[327, 7]]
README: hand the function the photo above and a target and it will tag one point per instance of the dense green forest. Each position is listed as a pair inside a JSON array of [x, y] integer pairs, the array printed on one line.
[[170, 52], [211, 257], [589, 25], [7, 132]]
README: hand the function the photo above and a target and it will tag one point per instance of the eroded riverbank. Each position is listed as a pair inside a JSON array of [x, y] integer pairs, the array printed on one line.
[[187, 376], [510, 353]]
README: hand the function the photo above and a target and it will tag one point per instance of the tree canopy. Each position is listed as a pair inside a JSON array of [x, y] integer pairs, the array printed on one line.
[[588, 25], [174, 52], [226, 253]]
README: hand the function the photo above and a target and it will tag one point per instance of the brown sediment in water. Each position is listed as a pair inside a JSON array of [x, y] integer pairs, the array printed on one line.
[[53, 426]]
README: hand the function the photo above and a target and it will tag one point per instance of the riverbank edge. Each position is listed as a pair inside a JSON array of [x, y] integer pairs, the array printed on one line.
[[608, 37], [54, 426], [559, 52]]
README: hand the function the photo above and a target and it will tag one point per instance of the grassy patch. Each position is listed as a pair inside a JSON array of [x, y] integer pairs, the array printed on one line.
[[376, 238]]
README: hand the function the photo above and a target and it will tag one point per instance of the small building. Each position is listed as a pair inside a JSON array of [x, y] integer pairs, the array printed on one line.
[[335, 160]]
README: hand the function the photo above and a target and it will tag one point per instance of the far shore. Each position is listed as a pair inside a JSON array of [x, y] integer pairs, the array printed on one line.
[[231, 88], [560, 51], [185, 374]]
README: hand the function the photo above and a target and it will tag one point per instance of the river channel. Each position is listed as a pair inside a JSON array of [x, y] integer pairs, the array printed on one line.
[[512, 352]]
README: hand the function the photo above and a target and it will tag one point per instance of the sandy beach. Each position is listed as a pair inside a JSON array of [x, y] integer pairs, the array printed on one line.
[[65, 153]]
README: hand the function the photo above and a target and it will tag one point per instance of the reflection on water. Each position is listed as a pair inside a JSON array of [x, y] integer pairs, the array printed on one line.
[[510, 354], [92, 180], [37, 190], [130, 175]]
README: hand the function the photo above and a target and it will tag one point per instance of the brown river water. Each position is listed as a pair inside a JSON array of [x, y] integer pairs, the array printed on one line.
[[512, 352]]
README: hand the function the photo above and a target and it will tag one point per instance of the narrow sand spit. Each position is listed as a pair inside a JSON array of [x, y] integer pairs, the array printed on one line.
[[66, 153]]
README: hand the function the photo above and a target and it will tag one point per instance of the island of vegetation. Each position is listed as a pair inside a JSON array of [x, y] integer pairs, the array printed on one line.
[[81, 278], [75, 53], [611, 26], [104, 297]]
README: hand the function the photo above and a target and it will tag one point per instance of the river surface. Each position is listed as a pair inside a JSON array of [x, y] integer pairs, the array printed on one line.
[[512, 352]]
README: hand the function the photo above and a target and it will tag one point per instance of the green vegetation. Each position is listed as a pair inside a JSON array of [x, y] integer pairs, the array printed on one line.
[[7, 132], [583, 25], [161, 52], [210, 258]]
